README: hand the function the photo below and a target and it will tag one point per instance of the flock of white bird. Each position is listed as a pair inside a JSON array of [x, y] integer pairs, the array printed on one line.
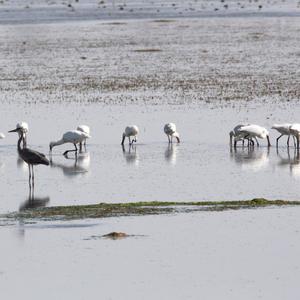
[[240, 133], [75, 137], [251, 132]]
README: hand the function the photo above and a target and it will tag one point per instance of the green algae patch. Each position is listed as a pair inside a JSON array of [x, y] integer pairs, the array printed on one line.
[[104, 210]]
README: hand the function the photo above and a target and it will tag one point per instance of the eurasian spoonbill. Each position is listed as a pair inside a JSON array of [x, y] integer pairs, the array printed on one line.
[[130, 131], [295, 131], [236, 135], [85, 129], [283, 129], [255, 131], [73, 136], [170, 131]]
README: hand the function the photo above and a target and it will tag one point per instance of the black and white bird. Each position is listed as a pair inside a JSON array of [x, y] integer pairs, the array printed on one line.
[[31, 157]]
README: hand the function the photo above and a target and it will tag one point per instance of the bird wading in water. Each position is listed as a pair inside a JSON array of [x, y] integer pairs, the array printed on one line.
[[74, 137], [170, 131], [130, 131], [31, 157]]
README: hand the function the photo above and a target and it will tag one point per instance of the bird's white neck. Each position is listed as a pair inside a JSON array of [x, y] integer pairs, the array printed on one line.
[[57, 143]]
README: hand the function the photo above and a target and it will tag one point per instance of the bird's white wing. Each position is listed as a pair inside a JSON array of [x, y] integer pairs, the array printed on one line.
[[251, 129]]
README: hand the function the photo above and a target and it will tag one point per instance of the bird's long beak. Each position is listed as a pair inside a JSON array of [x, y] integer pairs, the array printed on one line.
[[14, 130], [178, 139], [269, 144]]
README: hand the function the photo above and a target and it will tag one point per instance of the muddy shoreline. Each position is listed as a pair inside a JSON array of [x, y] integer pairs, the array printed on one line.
[[106, 210]]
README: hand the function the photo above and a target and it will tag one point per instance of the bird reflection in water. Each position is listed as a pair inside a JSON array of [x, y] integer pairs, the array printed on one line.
[[33, 201], [291, 159], [250, 158], [171, 154], [80, 165], [131, 155]]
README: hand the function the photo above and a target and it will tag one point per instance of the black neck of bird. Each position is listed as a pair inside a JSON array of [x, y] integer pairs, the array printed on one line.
[[19, 141]]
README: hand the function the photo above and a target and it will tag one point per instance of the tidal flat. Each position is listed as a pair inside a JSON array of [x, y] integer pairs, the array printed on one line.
[[189, 229]]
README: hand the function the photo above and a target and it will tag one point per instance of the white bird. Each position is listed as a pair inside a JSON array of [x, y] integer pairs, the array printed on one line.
[[130, 131], [23, 126], [73, 136], [2, 136], [85, 129], [170, 131], [255, 131], [295, 131], [283, 129], [237, 135]]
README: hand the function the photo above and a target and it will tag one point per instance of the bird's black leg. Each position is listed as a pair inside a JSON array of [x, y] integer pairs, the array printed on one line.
[[129, 140], [294, 139], [29, 181], [288, 141], [256, 142], [246, 138], [75, 150], [32, 177], [80, 147], [278, 140]]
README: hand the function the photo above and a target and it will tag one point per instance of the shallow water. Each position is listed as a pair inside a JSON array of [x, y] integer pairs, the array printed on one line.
[[202, 167], [41, 11], [249, 253]]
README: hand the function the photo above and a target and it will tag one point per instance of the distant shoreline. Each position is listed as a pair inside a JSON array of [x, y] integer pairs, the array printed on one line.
[[48, 15]]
